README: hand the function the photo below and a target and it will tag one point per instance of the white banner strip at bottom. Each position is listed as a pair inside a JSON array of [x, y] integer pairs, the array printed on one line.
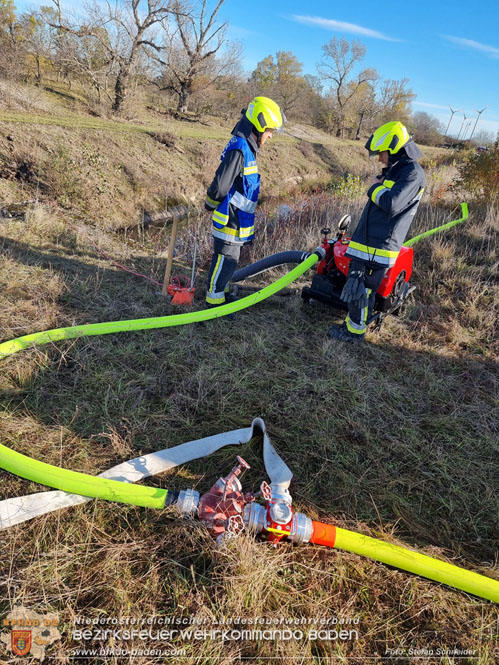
[[21, 509]]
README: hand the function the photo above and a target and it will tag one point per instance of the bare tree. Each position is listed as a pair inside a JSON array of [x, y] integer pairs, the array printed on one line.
[[340, 58], [86, 60], [395, 99], [364, 107], [39, 40], [483, 137], [193, 40], [426, 129], [11, 41], [123, 31]]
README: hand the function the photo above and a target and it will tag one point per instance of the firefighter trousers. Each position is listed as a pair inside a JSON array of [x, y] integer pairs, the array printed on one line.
[[223, 265], [356, 319]]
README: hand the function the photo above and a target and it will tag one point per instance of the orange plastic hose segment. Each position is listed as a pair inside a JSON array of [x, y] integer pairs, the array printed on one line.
[[323, 534]]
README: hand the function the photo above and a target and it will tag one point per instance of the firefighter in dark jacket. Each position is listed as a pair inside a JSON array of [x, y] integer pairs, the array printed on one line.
[[233, 194], [393, 200]]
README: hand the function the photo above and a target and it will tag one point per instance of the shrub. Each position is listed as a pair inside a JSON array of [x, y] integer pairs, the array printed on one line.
[[306, 149], [45, 226], [349, 187], [479, 175], [61, 178]]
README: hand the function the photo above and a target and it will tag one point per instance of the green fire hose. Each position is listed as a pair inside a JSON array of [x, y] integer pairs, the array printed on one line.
[[58, 334], [36, 339], [464, 213], [112, 490], [420, 564], [80, 483], [323, 534]]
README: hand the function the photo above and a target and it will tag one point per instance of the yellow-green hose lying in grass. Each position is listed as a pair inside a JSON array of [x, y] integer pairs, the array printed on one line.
[[139, 495], [464, 213], [58, 334], [36, 339], [80, 483], [400, 557], [323, 534], [421, 564]]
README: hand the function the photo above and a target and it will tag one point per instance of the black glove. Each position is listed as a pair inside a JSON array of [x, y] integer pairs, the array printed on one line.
[[354, 291]]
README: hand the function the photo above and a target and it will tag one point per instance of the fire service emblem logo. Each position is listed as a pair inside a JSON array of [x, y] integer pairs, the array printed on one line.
[[21, 642], [28, 633]]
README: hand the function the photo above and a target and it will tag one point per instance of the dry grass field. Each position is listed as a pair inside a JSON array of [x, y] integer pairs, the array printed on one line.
[[396, 439]]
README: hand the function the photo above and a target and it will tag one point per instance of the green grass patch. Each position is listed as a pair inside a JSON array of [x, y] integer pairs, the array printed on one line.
[[74, 121]]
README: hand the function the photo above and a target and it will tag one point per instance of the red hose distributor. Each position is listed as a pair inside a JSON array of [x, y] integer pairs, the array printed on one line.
[[221, 508], [225, 510]]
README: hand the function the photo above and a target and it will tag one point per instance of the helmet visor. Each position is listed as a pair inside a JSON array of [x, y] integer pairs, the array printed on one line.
[[284, 120], [372, 153]]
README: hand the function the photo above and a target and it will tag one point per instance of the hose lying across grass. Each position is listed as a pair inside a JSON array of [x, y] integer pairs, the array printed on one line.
[[36, 339], [401, 557], [464, 213], [114, 490], [58, 334], [323, 534]]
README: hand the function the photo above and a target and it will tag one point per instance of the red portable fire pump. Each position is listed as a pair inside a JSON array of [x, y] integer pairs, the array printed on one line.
[[330, 278]]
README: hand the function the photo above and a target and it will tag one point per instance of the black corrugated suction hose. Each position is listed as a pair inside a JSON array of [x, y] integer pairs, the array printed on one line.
[[279, 259]]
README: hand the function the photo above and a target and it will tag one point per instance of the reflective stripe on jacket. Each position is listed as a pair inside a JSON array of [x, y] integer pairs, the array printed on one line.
[[386, 219], [243, 195]]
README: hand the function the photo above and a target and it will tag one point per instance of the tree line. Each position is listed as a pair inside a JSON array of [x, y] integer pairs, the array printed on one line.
[[180, 49]]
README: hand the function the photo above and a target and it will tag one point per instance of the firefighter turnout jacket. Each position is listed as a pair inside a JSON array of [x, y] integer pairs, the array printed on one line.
[[392, 204], [233, 194]]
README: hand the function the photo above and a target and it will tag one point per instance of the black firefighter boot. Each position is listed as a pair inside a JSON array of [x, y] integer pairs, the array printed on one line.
[[342, 334]]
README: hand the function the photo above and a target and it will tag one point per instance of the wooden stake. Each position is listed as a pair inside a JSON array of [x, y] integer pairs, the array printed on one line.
[[169, 260]]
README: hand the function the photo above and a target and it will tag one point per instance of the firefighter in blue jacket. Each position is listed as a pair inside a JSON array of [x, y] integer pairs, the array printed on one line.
[[393, 200], [233, 194]]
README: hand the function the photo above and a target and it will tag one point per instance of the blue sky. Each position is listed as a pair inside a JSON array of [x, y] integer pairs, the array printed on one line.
[[449, 50]]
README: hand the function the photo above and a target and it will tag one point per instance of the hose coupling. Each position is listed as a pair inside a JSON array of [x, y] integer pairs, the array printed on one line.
[[267, 520], [320, 252], [188, 502]]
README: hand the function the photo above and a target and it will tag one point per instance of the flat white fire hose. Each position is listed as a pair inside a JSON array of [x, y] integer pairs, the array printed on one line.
[[117, 484], [21, 509]]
